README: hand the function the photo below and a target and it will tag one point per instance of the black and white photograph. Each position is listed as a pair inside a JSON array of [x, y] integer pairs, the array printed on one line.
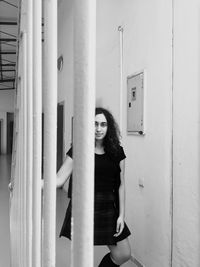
[[99, 133]]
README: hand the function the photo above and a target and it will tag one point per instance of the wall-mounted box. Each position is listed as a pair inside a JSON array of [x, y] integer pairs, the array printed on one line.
[[135, 104]]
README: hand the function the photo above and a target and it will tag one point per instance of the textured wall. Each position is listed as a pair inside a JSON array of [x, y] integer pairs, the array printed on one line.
[[186, 133], [147, 45]]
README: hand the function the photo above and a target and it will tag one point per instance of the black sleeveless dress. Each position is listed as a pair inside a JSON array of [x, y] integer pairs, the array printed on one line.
[[106, 201]]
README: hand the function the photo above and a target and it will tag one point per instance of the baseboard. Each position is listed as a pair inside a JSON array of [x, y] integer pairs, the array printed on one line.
[[136, 262]]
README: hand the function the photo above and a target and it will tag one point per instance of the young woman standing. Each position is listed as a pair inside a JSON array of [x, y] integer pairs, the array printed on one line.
[[110, 228]]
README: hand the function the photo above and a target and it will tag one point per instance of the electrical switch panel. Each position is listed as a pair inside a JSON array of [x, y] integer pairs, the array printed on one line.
[[135, 113]]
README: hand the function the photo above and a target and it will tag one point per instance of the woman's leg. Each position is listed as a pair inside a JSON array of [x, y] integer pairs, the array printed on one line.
[[121, 252], [107, 262], [118, 255]]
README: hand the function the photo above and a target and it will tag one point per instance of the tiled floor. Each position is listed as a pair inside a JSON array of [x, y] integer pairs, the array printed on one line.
[[5, 162]]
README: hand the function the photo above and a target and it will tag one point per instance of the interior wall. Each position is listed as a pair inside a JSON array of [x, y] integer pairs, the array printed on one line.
[[65, 76], [7, 100], [65, 95], [5, 163], [186, 133], [147, 45]]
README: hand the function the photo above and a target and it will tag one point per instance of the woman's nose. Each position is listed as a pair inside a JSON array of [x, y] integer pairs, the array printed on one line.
[[98, 127]]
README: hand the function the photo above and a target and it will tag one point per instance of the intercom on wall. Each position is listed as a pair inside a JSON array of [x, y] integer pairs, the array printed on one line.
[[135, 110]]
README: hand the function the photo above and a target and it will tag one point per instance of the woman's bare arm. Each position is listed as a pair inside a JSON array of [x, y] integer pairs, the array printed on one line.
[[120, 220], [122, 190], [64, 172]]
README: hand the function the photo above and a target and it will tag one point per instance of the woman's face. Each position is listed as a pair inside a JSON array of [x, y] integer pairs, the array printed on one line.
[[101, 126]]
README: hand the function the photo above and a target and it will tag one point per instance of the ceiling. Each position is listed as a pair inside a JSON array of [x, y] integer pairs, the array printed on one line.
[[8, 43]]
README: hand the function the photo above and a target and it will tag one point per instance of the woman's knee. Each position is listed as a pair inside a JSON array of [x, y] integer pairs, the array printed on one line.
[[122, 257], [121, 253]]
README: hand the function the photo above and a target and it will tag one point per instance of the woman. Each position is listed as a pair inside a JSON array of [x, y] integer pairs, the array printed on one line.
[[109, 212]]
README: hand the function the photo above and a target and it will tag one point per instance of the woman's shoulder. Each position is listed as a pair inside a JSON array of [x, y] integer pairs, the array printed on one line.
[[122, 154], [118, 154]]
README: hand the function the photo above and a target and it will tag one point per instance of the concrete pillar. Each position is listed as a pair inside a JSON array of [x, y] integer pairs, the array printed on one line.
[[50, 130], [37, 129], [29, 125], [83, 139]]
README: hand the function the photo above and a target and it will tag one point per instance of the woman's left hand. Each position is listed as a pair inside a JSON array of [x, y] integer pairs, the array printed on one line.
[[120, 226]]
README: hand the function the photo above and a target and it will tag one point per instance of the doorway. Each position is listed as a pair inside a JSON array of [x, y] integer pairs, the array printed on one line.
[[0, 136], [60, 135], [10, 120]]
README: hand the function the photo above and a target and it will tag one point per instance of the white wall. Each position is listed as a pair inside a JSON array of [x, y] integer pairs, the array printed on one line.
[[186, 133], [7, 100], [65, 93], [65, 77], [6, 105], [147, 45]]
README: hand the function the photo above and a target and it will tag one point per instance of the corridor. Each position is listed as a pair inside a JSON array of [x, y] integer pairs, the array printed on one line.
[[5, 163]]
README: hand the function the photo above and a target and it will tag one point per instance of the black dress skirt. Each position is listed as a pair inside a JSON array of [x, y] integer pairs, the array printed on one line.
[[105, 202]]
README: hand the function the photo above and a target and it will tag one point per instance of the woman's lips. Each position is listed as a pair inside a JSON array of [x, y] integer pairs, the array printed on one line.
[[99, 135]]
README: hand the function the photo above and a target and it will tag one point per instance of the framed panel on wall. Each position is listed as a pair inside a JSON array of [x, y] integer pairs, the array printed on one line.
[[135, 103]]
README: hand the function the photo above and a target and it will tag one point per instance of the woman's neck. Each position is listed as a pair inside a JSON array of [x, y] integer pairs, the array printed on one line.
[[99, 148], [99, 143]]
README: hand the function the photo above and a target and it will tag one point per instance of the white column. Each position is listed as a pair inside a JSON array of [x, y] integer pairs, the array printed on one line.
[[29, 125], [23, 64], [83, 141], [37, 130], [50, 131]]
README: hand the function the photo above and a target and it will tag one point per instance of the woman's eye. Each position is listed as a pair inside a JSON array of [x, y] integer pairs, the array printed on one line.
[[102, 124]]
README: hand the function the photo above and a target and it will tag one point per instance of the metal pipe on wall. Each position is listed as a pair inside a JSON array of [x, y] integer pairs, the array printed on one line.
[[50, 131], [121, 30], [37, 130], [83, 139]]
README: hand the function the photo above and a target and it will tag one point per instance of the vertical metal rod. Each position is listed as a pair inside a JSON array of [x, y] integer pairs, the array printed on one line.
[[50, 131], [29, 125], [37, 130], [83, 139], [120, 29]]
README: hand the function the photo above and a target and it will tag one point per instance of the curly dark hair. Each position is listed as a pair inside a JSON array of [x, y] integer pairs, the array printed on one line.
[[112, 139]]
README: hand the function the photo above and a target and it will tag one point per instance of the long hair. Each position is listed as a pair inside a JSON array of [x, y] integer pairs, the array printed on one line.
[[112, 139]]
